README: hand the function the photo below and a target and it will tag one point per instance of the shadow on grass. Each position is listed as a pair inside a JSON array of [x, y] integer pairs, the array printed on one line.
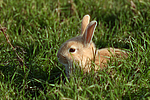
[[101, 43], [30, 81], [35, 75], [140, 94]]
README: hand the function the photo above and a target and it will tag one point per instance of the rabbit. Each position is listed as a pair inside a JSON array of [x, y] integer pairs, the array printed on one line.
[[82, 51]]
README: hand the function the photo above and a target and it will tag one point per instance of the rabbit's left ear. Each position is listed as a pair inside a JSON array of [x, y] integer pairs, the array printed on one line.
[[89, 32], [85, 22]]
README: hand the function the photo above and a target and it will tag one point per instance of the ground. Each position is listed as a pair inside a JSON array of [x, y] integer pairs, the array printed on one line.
[[33, 30]]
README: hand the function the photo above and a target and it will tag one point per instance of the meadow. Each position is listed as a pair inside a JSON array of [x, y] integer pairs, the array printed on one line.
[[31, 32]]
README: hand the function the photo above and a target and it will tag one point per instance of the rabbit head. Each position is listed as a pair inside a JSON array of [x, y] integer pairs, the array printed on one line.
[[79, 50]]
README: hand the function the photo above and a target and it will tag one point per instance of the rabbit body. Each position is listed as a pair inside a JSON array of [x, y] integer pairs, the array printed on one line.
[[82, 51]]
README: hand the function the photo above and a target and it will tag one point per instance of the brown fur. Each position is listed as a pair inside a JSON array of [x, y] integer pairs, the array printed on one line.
[[85, 50]]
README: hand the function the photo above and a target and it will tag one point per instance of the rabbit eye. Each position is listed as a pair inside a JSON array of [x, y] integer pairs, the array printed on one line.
[[72, 50]]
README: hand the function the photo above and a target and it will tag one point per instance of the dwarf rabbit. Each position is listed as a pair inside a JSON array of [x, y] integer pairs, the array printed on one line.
[[82, 51]]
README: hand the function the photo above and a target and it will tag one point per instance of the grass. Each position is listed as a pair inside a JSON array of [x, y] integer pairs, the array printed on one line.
[[37, 28]]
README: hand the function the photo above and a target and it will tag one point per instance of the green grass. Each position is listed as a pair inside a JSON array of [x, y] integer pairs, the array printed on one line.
[[37, 28]]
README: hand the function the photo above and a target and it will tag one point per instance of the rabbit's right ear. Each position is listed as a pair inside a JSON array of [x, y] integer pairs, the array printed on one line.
[[85, 22], [89, 32]]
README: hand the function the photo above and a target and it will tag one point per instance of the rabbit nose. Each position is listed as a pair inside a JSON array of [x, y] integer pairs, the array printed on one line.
[[57, 55], [62, 59], [60, 56]]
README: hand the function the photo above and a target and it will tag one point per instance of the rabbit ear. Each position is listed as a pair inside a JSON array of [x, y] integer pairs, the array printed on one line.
[[85, 22], [89, 32]]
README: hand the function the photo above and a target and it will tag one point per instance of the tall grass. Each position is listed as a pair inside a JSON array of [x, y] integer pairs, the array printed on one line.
[[37, 28]]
